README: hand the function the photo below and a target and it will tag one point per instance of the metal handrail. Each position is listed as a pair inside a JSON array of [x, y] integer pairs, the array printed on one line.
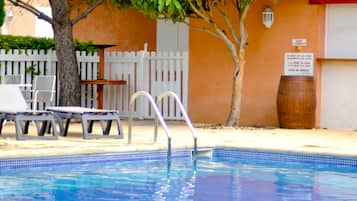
[[158, 115], [187, 119]]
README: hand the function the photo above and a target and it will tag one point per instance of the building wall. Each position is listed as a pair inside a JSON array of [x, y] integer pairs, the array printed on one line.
[[127, 28], [211, 67]]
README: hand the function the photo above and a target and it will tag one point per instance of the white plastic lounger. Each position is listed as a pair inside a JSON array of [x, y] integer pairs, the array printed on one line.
[[87, 116], [13, 107]]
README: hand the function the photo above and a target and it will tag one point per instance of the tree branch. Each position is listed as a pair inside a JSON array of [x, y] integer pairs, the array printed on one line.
[[33, 10], [228, 23], [212, 33], [199, 13], [243, 32], [86, 12], [243, 14], [219, 31], [235, 3]]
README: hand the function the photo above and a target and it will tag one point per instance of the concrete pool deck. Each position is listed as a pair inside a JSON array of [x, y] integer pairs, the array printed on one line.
[[321, 141]]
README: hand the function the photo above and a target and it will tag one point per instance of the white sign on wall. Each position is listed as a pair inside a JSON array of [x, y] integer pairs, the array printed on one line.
[[299, 63], [299, 42]]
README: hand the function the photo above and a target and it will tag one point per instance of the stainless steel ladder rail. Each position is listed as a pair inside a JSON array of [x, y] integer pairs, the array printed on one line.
[[158, 116], [187, 119]]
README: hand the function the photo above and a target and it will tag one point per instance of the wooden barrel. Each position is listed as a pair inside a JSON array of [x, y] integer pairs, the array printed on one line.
[[296, 102]]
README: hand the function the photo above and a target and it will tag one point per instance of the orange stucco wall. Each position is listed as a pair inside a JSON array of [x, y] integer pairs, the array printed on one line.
[[127, 28], [211, 68]]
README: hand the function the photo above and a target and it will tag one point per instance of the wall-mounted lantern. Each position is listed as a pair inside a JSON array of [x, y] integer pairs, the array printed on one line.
[[268, 17]]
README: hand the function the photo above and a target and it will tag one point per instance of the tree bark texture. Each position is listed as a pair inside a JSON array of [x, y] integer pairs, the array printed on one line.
[[237, 91], [68, 76]]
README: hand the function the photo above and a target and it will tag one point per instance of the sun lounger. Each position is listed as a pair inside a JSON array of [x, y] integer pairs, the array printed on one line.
[[13, 107], [87, 116]]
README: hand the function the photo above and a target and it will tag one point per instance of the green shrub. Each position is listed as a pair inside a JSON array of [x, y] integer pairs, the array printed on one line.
[[2, 12], [9, 42]]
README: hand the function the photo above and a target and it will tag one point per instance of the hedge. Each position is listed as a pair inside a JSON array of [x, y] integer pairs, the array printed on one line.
[[9, 42]]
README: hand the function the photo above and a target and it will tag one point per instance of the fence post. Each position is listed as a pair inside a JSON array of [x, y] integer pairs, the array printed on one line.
[[185, 80], [141, 104], [52, 68], [2, 65]]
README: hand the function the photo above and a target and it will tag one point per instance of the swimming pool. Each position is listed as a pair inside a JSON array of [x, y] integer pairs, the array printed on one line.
[[230, 175]]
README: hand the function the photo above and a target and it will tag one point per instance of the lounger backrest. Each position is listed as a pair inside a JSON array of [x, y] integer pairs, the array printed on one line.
[[12, 79], [46, 84], [11, 98]]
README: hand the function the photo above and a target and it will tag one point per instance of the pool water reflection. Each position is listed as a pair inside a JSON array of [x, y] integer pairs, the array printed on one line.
[[221, 178]]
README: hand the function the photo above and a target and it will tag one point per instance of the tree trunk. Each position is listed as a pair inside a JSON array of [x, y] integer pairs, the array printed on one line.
[[239, 64], [69, 90], [234, 115]]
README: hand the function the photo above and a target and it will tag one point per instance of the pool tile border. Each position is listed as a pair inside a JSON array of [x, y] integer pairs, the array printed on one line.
[[286, 156], [218, 151], [88, 158]]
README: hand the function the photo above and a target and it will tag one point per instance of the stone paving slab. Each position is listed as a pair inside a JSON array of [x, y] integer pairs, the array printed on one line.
[[321, 141]]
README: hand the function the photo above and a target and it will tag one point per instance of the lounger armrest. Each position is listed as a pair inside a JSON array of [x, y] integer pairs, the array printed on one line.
[[40, 91], [37, 92]]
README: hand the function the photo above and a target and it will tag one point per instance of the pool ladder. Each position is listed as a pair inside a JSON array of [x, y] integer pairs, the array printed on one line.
[[160, 119]]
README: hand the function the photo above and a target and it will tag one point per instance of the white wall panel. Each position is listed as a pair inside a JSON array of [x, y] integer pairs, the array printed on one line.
[[171, 36], [339, 78], [339, 95], [341, 31]]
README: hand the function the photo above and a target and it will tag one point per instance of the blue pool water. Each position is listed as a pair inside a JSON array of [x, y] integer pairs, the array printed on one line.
[[230, 175]]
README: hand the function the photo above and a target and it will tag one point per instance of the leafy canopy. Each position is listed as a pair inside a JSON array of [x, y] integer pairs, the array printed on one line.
[[177, 10]]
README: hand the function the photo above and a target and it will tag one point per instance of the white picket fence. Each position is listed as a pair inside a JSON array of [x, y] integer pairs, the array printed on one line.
[[154, 72]]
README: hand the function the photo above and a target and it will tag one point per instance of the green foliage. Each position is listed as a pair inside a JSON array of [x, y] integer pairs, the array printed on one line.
[[177, 10], [31, 69], [9, 42], [84, 46], [2, 12], [244, 3]]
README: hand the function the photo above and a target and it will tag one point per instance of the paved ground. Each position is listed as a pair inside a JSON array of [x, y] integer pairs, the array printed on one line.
[[331, 142]]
